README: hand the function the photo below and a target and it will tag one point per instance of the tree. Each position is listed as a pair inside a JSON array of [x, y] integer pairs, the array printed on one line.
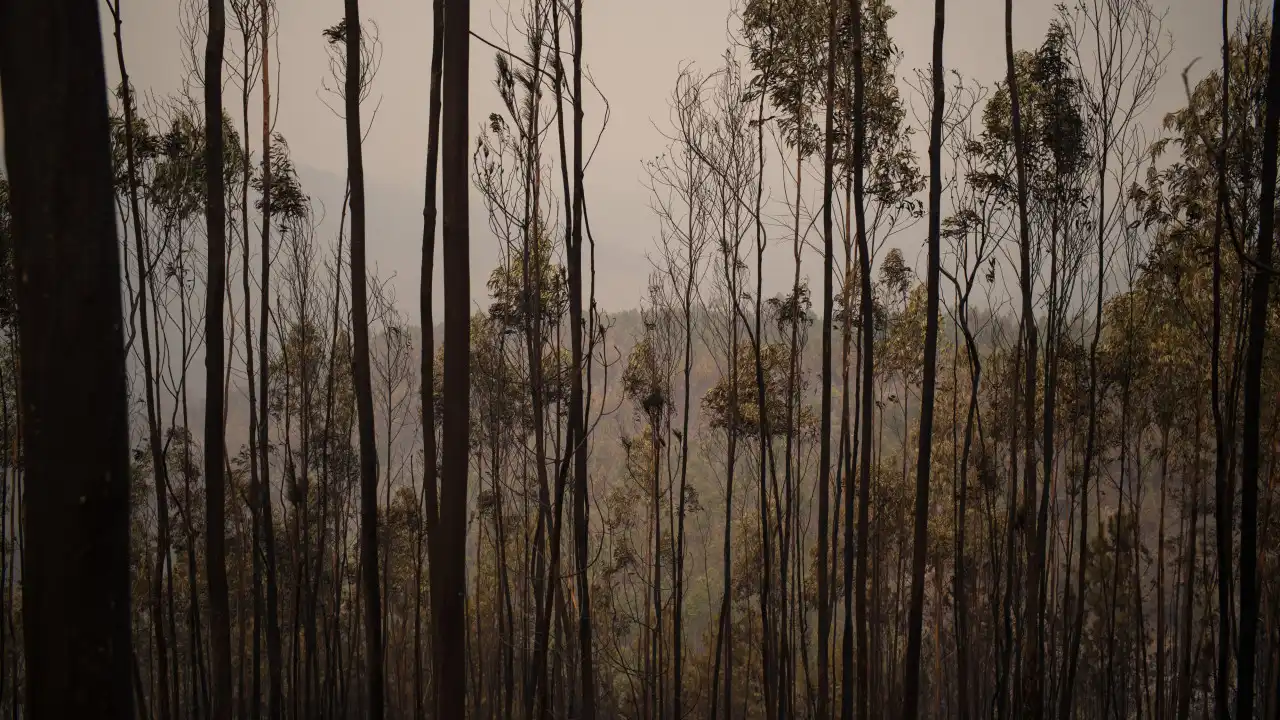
[[266, 517], [866, 402], [918, 560], [155, 445], [430, 490], [1069, 563], [447, 591], [824, 456], [1252, 421], [1030, 358], [363, 380], [215, 286], [577, 411], [683, 175], [77, 618]]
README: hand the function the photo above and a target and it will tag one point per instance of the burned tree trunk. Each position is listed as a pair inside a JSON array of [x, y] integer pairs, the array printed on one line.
[[451, 531], [215, 286], [75, 575]]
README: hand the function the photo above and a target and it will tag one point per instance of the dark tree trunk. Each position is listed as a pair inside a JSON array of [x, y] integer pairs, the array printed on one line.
[[360, 367], [266, 517], [250, 666], [550, 584], [1224, 500], [577, 412], [159, 468], [1250, 455], [677, 632], [866, 402], [1161, 696], [215, 293], [911, 687], [451, 532], [425, 299], [1066, 702], [75, 575], [1031, 676], [824, 439]]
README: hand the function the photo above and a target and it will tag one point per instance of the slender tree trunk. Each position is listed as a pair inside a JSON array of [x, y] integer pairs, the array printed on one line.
[[546, 594], [863, 445], [655, 598], [254, 702], [427, 377], [1223, 501], [577, 411], [1161, 697], [961, 580], [923, 466], [159, 468], [76, 557], [824, 439], [363, 383], [215, 284], [266, 515], [1067, 701], [1031, 675], [447, 600], [677, 639], [1251, 453], [867, 321]]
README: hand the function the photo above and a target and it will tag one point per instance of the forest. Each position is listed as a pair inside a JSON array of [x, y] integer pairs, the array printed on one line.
[[1035, 477]]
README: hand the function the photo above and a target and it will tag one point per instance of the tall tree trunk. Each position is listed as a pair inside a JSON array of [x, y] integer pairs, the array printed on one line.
[[1161, 697], [1224, 500], [659, 701], [159, 469], [546, 594], [824, 439], [253, 702], [77, 619], [532, 267], [847, 443], [266, 515], [1031, 676], [1251, 452], [215, 294], [427, 378], [451, 532], [677, 621], [577, 412], [1067, 701], [915, 619], [360, 368], [867, 402]]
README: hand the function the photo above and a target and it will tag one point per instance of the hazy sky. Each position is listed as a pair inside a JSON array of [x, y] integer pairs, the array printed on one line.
[[633, 48]]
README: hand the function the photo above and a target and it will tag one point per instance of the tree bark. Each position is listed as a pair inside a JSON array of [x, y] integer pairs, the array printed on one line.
[[911, 688], [266, 517], [867, 402], [447, 593], [363, 381], [1250, 454], [215, 294], [824, 438], [577, 411], [76, 569], [1031, 676], [430, 491]]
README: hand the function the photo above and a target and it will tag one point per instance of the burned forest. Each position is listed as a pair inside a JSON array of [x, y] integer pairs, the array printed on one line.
[[593, 360]]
